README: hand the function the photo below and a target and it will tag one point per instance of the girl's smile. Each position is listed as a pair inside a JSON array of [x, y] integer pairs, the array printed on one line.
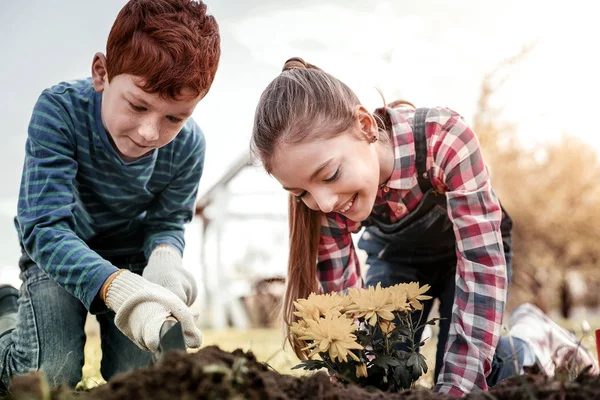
[[349, 206]]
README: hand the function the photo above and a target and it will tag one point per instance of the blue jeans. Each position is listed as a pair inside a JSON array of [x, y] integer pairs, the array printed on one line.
[[50, 336], [440, 274]]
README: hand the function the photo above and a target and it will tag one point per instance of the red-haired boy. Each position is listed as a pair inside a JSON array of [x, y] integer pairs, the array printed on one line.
[[111, 172]]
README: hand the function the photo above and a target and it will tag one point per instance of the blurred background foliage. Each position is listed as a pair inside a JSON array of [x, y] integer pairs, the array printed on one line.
[[552, 195]]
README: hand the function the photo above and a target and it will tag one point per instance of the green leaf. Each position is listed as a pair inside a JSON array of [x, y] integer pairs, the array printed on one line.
[[385, 361], [412, 360], [433, 321], [311, 365], [402, 377], [422, 362], [363, 337], [404, 331], [402, 355], [418, 365]]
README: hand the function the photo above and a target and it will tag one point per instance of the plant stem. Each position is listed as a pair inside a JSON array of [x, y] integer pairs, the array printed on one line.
[[412, 332]]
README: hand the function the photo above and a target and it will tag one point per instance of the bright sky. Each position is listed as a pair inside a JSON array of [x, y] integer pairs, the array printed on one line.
[[432, 52]]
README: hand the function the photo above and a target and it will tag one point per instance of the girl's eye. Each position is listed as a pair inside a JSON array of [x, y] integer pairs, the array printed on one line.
[[301, 195], [334, 176]]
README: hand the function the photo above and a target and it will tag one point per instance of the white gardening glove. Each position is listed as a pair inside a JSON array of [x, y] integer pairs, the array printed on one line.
[[165, 268], [142, 307]]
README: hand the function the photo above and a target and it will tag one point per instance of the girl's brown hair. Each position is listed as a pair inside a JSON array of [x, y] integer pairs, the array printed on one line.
[[303, 100]]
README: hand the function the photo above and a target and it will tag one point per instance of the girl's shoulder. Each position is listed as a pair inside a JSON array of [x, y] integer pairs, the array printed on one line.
[[438, 114]]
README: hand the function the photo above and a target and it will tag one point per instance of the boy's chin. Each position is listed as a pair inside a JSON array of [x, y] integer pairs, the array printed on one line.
[[129, 156]]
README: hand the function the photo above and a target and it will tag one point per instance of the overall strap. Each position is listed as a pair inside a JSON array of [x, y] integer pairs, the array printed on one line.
[[420, 138]]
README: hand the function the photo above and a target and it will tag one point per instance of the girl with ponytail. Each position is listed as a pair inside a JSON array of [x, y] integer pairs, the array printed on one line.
[[416, 180]]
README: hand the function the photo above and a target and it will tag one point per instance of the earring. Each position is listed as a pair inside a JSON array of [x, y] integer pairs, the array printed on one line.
[[298, 199], [374, 139]]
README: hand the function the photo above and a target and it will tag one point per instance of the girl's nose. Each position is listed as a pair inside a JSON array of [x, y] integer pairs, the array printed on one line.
[[325, 200]]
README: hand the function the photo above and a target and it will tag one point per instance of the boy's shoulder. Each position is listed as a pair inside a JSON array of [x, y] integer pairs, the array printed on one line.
[[81, 89], [190, 136], [68, 100]]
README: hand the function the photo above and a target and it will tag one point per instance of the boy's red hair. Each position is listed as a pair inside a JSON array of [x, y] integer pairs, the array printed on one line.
[[172, 44]]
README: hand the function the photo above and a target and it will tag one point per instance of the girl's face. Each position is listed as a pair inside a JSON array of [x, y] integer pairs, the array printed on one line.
[[340, 174]]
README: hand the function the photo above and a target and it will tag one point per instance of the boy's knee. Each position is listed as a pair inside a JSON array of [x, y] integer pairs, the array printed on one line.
[[112, 366], [65, 370]]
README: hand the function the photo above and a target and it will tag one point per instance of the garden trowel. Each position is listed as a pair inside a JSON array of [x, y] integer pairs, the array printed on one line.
[[171, 338]]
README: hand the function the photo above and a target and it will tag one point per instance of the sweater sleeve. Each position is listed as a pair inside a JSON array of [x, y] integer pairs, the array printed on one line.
[[47, 227], [175, 205]]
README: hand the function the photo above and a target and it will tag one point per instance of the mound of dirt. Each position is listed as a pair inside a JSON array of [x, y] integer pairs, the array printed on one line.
[[214, 374], [533, 387]]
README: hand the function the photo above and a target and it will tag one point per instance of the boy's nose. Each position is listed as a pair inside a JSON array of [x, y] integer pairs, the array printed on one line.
[[148, 130]]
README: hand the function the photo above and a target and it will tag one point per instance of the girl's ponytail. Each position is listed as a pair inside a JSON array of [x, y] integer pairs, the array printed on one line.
[[302, 102], [305, 225]]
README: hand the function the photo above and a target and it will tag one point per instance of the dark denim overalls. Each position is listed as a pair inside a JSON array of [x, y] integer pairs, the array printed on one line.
[[422, 247]]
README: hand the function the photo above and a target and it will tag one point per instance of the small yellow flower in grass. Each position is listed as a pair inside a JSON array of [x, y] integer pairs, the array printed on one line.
[[317, 305], [333, 334], [415, 294], [371, 303], [387, 327], [361, 370]]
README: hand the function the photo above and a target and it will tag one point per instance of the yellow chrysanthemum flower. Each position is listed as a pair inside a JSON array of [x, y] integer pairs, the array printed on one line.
[[318, 305], [332, 334], [387, 327], [361, 370], [371, 303], [299, 327], [414, 292], [399, 298], [345, 302]]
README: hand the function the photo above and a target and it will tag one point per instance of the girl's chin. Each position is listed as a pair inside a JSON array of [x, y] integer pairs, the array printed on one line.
[[358, 216], [364, 211]]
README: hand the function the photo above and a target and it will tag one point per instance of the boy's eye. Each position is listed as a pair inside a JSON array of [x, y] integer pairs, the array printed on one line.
[[334, 176], [137, 108], [175, 120]]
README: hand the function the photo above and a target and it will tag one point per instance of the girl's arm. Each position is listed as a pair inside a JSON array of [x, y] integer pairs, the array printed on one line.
[[457, 168]]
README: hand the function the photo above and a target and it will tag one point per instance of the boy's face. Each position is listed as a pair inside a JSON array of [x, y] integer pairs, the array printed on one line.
[[138, 122]]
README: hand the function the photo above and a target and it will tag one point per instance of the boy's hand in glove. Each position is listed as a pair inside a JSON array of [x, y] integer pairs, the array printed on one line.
[[165, 268], [142, 307]]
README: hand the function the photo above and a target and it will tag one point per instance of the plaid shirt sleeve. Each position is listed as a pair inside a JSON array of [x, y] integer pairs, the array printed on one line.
[[338, 267], [459, 170]]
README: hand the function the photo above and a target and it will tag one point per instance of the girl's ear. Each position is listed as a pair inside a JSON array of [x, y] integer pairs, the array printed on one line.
[[366, 123]]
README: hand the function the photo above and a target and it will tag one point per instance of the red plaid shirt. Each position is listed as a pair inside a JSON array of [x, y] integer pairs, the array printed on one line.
[[456, 167]]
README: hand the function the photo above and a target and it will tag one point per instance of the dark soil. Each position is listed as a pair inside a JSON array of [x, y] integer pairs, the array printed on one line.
[[214, 374]]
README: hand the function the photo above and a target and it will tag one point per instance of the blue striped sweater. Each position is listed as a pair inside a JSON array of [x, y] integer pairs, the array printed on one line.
[[81, 204]]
